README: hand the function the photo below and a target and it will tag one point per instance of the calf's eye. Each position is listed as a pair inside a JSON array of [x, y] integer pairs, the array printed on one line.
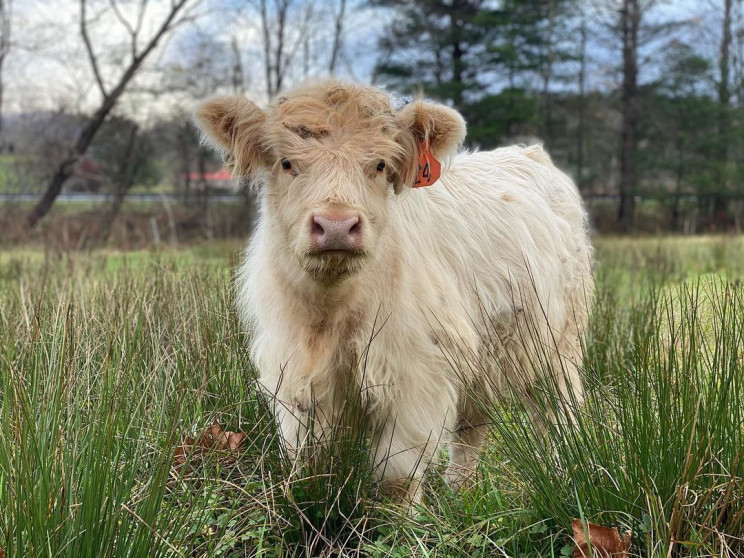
[[381, 166], [286, 165]]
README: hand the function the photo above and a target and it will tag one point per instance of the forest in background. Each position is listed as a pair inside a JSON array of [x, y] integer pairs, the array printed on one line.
[[640, 101]]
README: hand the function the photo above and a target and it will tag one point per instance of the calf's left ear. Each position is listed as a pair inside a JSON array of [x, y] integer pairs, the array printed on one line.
[[235, 126], [441, 128]]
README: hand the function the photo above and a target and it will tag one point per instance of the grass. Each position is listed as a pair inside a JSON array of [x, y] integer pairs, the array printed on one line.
[[108, 360]]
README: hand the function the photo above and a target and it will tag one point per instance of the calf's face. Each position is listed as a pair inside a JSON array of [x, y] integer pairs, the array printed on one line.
[[334, 156]]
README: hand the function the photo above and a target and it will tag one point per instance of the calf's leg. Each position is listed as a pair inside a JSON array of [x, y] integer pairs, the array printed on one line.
[[465, 448], [405, 445]]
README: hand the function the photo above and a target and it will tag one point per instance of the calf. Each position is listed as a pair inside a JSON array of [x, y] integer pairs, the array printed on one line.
[[425, 300]]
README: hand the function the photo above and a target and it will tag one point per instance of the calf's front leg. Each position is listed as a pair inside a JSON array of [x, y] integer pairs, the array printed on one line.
[[406, 444]]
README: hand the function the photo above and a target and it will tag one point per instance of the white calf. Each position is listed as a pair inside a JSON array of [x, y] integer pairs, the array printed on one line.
[[424, 299]]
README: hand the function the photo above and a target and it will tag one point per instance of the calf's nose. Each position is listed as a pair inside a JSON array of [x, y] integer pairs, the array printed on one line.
[[342, 232]]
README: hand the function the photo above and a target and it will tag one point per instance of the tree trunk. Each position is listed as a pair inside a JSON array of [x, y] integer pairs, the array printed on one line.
[[582, 109], [67, 167], [279, 58], [720, 205], [5, 29], [2, 92], [268, 66], [547, 74], [238, 76], [337, 34], [630, 22], [124, 182], [457, 58], [680, 146]]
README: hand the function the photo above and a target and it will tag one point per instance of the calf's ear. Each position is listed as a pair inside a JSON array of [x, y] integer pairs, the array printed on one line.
[[441, 128], [236, 127]]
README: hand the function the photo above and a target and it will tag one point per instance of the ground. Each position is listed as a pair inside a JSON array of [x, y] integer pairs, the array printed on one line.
[[110, 360]]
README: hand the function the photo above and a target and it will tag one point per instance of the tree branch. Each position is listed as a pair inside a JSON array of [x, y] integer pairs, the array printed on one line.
[[127, 26], [303, 33], [120, 17], [5, 29], [140, 18], [337, 35], [89, 49]]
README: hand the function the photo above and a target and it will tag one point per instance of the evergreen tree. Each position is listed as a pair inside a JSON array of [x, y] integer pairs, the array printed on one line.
[[487, 59]]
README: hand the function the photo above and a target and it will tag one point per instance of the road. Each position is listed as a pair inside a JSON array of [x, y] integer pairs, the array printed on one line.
[[107, 198]]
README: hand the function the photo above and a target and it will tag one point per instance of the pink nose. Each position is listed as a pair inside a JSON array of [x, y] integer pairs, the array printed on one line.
[[332, 232]]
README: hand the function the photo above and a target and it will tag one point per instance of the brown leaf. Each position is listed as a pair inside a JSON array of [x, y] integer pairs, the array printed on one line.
[[181, 454], [605, 541], [213, 438]]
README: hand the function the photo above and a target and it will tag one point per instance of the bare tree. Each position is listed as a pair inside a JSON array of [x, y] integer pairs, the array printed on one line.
[[738, 58], [123, 181], [238, 75], [5, 28], [547, 71], [581, 129], [724, 115], [630, 22], [338, 29], [110, 95], [274, 37], [281, 41]]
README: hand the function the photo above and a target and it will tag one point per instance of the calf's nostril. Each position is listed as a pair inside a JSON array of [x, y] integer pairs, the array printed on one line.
[[356, 228], [318, 229]]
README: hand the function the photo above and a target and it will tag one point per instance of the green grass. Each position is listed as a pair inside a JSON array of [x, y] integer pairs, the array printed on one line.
[[107, 360]]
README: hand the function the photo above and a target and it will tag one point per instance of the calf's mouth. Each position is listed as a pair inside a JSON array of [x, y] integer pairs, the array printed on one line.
[[329, 266]]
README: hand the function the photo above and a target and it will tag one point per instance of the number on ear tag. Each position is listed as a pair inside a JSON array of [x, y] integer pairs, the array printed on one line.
[[429, 169]]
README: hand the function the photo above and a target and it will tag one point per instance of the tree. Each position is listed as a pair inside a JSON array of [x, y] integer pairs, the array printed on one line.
[[719, 205], [493, 62], [581, 127], [5, 29], [128, 158], [438, 46], [207, 64], [682, 128], [110, 95], [281, 37], [630, 21], [556, 55], [338, 27]]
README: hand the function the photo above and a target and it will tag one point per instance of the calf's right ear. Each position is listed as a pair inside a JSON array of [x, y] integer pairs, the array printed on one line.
[[236, 127]]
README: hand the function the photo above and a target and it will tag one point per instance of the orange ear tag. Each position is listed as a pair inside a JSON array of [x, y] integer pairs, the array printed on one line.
[[429, 169]]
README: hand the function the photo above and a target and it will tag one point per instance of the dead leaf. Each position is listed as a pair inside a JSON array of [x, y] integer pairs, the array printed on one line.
[[605, 541], [213, 438]]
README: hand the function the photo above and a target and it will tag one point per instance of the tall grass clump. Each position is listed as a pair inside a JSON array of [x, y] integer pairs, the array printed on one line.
[[103, 367], [657, 446], [330, 491], [108, 362]]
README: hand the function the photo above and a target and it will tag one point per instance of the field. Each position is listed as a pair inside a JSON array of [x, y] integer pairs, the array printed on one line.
[[110, 361]]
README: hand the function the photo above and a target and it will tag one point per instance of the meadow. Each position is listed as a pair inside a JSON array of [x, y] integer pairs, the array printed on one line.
[[109, 361]]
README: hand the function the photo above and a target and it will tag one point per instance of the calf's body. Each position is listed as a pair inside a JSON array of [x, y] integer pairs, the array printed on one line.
[[454, 291]]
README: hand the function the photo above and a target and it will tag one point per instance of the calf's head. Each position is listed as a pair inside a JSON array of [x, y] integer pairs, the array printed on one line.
[[332, 157]]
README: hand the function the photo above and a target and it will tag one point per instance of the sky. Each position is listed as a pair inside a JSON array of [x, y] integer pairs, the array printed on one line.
[[48, 68]]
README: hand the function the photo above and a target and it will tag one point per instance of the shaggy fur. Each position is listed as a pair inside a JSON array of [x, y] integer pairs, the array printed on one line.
[[458, 288]]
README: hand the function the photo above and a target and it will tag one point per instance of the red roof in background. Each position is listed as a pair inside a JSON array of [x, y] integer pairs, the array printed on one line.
[[86, 165], [220, 175]]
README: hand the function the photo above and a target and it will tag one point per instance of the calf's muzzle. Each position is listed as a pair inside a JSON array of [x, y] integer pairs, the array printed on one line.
[[336, 232]]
